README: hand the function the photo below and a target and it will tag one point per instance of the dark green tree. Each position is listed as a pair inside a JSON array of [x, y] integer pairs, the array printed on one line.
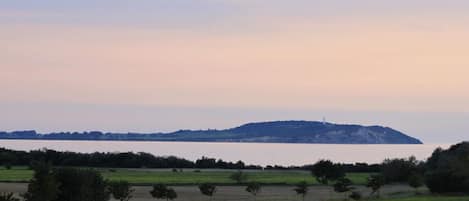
[[399, 170], [375, 182], [208, 189], [326, 171], [239, 176], [43, 186], [161, 191], [254, 188], [7, 159], [343, 185], [81, 185], [301, 189], [8, 197], [447, 170], [121, 190]]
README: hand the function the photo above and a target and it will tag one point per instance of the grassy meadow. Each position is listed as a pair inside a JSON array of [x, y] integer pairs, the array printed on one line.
[[189, 176]]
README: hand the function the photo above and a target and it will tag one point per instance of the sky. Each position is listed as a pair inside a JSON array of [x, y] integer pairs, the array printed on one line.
[[158, 65]]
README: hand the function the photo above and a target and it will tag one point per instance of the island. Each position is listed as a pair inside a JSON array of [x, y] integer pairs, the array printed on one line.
[[312, 132]]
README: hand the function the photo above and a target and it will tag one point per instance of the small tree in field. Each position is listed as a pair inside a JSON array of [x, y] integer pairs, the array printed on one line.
[[8, 166], [171, 194], [375, 182], [77, 184], [44, 186], [161, 191], [416, 181], [8, 197], [239, 176], [301, 189], [121, 190], [254, 188], [208, 189], [343, 185], [326, 171]]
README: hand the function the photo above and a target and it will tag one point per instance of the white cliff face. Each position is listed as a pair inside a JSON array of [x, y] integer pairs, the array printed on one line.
[[369, 136]]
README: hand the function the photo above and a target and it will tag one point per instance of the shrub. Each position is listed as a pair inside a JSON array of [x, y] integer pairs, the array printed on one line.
[[356, 195], [254, 188], [171, 194], [301, 189], [8, 166], [375, 182], [343, 185], [161, 191], [121, 190], [415, 181], [8, 197], [208, 189]]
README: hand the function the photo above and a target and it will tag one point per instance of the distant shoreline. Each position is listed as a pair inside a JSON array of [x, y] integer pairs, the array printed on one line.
[[188, 141]]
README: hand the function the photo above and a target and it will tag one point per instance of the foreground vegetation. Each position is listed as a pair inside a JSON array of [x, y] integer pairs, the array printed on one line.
[[445, 172], [189, 176]]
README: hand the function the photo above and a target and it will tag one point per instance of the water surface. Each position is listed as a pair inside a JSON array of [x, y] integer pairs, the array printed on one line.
[[251, 153]]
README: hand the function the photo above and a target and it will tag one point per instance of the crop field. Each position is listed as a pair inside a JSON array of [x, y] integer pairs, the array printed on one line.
[[189, 176], [268, 193], [219, 177]]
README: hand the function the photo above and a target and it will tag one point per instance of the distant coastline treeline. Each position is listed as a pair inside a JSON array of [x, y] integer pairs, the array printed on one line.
[[143, 160], [310, 132], [91, 135]]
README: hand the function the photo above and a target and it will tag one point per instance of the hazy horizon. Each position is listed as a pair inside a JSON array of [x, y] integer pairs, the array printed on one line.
[[122, 66]]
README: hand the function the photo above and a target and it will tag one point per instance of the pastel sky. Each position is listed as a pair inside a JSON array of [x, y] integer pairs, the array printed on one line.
[[159, 65]]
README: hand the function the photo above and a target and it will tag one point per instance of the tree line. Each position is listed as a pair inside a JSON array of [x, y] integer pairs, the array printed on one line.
[[10, 158], [114, 160]]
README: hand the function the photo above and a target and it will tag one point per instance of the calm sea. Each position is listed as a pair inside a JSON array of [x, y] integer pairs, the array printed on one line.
[[251, 153]]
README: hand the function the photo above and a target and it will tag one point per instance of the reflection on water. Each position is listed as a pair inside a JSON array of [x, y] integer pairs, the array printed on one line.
[[251, 153]]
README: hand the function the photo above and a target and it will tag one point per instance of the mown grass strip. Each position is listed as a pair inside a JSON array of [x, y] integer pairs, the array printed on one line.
[[188, 177]]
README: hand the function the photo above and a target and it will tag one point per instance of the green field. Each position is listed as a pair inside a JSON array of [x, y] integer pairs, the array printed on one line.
[[149, 176]]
